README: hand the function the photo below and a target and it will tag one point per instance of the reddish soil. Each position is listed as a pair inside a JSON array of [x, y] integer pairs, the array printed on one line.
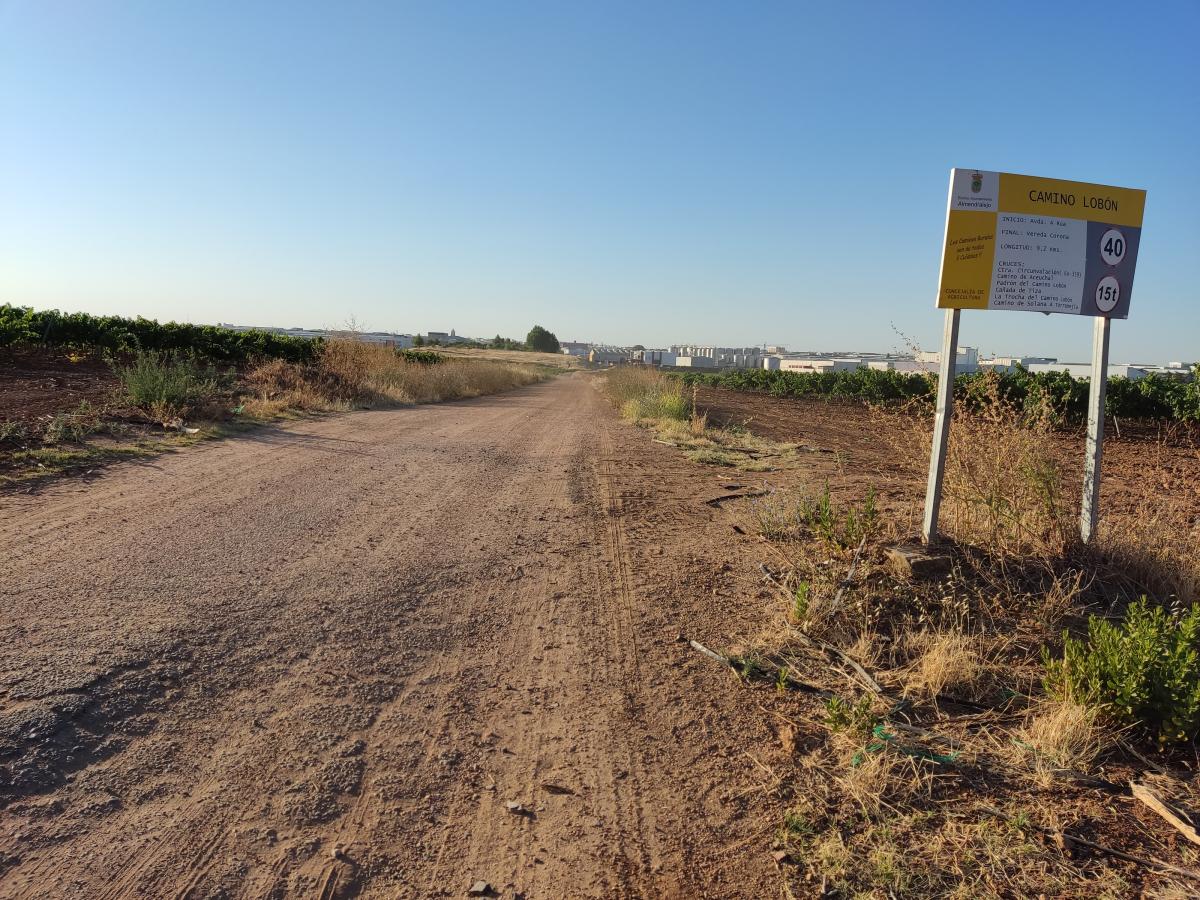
[[35, 383], [1140, 460]]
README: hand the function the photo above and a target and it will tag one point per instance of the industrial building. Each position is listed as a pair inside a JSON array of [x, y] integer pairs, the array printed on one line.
[[1084, 370], [575, 348]]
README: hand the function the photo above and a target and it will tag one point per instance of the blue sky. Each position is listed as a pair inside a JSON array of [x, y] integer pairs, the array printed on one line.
[[652, 172]]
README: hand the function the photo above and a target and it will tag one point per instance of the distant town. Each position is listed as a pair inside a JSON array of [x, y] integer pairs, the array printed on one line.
[[768, 356]]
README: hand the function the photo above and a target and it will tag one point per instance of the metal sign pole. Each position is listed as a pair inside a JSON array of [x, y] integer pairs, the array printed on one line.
[[1095, 432], [941, 425]]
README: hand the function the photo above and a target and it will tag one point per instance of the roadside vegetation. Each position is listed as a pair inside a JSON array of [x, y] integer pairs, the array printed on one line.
[[654, 401], [986, 708], [1035, 395], [1002, 716], [351, 374], [160, 387]]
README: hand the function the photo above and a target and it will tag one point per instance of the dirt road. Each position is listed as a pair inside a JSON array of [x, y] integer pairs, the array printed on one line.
[[328, 659]]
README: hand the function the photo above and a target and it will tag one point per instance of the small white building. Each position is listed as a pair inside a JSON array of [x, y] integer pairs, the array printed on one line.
[[575, 348], [904, 365], [967, 359], [695, 362], [1011, 363], [818, 364], [654, 357]]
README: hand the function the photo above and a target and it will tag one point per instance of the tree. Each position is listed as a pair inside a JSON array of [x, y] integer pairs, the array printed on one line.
[[418, 341], [541, 339]]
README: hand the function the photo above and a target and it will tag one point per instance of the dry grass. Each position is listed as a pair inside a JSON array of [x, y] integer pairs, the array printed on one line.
[[878, 779], [1012, 489], [1059, 735], [651, 400], [946, 661], [1003, 483], [354, 374]]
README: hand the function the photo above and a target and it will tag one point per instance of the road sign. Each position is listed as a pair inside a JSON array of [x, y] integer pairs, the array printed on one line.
[[1039, 244]]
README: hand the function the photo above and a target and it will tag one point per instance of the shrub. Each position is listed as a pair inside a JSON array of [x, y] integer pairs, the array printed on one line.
[[782, 516], [13, 433], [170, 384], [1143, 671], [425, 357], [857, 719], [72, 427]]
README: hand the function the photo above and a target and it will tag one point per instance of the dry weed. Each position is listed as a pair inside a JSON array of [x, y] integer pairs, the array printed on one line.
[[1003, 484], [945, 661], [1151, 547], [877, 781], [352, 373], [1058, 735]]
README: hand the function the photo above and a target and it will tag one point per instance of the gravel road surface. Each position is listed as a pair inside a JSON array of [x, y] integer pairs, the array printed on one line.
[[383, 654]]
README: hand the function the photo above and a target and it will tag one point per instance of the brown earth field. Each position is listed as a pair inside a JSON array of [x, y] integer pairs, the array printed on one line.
[[1139, 458], [37, 383], [396, 653]]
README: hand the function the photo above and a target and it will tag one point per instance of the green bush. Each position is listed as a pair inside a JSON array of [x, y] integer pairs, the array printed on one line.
[[117, 335], [1144, 671], [170, 384]]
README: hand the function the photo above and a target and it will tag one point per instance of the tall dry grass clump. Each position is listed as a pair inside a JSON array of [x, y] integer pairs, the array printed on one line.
[[354, 374], [1012, 488], [647, 394], [1003, 486]]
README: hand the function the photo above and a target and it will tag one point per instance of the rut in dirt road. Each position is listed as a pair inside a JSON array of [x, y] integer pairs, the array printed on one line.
[[383, 654]]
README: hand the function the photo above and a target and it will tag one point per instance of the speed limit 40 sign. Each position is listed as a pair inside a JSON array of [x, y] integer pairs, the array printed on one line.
[[1039, 244]]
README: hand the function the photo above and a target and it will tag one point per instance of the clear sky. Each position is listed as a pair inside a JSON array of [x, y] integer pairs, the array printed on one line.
[[644, 172]]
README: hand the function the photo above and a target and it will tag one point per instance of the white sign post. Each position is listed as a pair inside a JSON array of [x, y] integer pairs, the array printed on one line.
[[1090, 511], [1017, 242], [941, 425]]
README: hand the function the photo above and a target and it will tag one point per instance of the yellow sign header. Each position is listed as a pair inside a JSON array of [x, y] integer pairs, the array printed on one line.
[[1071, 199]]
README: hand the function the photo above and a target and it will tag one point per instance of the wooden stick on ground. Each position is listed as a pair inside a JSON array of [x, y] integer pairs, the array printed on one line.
[[696, 645], [791, 679], [1176, 821]]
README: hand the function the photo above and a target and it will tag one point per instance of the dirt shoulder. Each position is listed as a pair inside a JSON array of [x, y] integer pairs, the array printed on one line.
[[324, 659]]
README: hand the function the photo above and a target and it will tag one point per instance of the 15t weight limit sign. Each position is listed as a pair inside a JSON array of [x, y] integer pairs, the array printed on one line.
[[1019, 242]]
